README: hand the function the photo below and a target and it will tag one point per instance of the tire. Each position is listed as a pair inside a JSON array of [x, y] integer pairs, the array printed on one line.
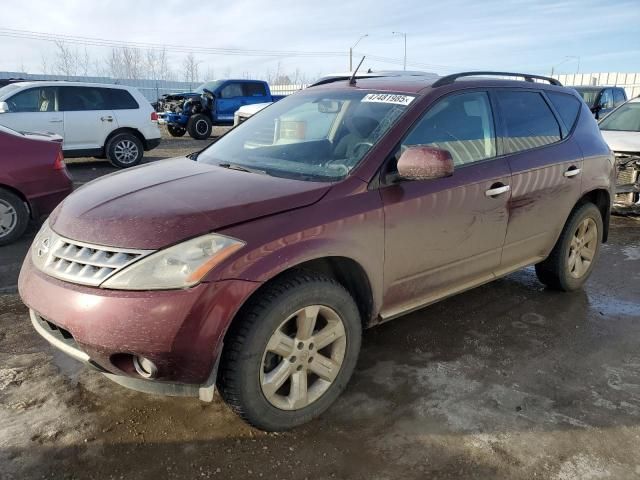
[[14, 217], [199, 126], [124, 150], [248, 368], [561, 270], [175, 131]]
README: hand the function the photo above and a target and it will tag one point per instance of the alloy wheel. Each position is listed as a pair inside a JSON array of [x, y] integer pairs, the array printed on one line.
[[8, 218], [303, 357], [126, 151], [202, 127], [583, 248]]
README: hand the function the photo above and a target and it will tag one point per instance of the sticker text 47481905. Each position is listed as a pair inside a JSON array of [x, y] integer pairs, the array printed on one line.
[[389, 98]]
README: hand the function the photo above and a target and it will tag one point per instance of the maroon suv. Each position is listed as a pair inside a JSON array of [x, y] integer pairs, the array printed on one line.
[[254, 265]]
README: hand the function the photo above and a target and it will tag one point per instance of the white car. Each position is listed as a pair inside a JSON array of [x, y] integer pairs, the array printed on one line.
[[247, 111], [99, 120], [621, 130]]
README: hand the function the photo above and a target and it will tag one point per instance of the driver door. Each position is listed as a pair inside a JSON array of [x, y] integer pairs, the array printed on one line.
[[229, 100], [34, 110], [445, 235]]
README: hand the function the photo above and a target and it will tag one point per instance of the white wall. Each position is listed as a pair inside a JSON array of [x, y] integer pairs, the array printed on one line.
[[629, 81]]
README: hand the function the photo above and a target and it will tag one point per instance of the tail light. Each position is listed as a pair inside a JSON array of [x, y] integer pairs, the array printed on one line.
[[154, 116], [59, 163]]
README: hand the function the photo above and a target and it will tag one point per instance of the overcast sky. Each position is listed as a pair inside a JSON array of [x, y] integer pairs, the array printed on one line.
[[444, 36]]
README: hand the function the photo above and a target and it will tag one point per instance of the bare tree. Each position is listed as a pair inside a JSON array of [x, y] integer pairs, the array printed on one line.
[[66, 61], [190, 68], [44, 64]]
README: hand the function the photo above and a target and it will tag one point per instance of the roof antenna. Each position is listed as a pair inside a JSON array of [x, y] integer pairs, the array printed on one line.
[[352, 80]]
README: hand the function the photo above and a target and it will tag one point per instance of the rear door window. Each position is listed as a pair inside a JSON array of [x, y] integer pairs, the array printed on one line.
[[39, 99], [75, 99], [462, 124], [567, 107], [121, 99], [255, 90], [528, 120]]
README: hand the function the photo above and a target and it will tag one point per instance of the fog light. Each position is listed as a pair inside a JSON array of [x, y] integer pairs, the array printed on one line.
[[145, 367]]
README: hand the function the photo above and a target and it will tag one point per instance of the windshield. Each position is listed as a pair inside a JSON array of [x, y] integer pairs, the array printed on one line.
[[8, 89], [589, 95], [211, 86], [316, 135], [626, 118]]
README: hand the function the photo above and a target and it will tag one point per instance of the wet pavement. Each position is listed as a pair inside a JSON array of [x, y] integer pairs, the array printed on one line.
[[507, 381]]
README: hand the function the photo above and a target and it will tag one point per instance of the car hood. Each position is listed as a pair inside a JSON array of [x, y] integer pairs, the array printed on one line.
[[162, 203], [622, 141]]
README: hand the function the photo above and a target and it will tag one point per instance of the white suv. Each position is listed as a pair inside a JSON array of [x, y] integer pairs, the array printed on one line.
[[112, 121]]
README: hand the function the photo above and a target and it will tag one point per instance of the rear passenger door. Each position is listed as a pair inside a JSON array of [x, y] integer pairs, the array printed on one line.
[[546, 166], [254, 92], [88, 118]]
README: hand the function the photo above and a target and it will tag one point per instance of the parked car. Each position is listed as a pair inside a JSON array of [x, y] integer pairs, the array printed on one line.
[[212, 103], [33, 180], [621, 130], [112, 121], [246, 111], [602, 100], [261, 277]]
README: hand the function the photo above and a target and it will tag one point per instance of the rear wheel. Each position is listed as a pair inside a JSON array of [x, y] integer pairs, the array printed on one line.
[[572, 259], [291, 352], [199, 126], [14, 217], [124, 150], [176, 131]]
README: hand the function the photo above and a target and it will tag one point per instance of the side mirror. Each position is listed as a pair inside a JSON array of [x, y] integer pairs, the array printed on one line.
[[4, 108], [422, 162]]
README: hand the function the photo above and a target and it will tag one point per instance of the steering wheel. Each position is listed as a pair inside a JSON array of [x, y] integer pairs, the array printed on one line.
[[360, 148]]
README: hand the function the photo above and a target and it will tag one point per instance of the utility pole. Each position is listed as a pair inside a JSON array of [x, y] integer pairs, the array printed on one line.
[[351, 51], [405, 46]]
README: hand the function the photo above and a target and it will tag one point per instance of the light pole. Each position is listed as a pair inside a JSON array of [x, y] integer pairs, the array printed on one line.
[[351, 51], [405, 46], [566, 59]]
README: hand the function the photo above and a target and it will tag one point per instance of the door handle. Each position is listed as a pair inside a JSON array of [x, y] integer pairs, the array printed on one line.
[[55, 121], [497, 189], [572, 172], [108, 118]]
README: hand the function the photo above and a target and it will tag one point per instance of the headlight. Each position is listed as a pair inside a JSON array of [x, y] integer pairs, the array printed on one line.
[[180, 266]]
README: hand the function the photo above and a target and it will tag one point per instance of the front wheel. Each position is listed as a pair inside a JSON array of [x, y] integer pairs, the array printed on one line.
[[199, 126], [291, 352], [572, 259]]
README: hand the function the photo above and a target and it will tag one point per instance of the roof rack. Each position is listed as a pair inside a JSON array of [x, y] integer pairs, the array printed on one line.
[[527, 76], [371, 74]]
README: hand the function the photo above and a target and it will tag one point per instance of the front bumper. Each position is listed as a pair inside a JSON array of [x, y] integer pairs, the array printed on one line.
[[181, 331]]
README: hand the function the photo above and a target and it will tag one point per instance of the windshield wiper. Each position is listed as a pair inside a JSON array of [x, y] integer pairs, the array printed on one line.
[[240, 168]]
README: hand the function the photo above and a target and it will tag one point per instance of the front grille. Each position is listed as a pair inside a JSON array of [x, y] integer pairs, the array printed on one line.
[[79, 262], [628, 173]]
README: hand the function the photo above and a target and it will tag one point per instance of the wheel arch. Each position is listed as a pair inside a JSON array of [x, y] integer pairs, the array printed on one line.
[[346, 271], [20, 195], [601, 198], [131, 130]]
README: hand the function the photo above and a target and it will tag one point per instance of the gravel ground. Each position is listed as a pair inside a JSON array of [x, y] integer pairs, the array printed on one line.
[[507, 381]]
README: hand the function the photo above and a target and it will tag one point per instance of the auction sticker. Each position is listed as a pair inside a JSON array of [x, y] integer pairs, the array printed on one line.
[[388, 98]]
